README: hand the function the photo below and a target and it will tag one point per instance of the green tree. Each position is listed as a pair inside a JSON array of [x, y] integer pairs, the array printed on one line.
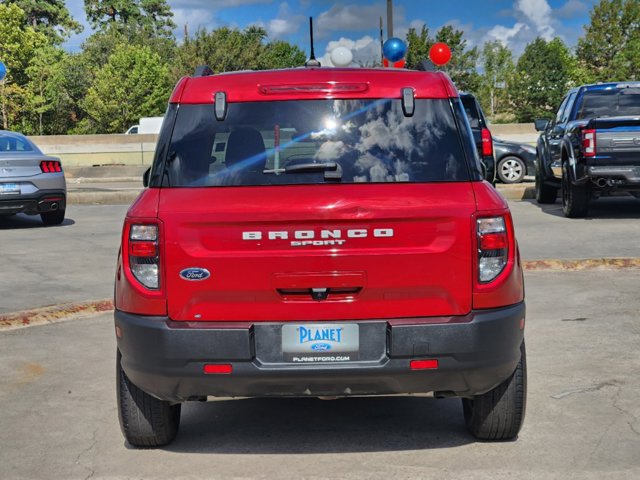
[[418, 45], [50, 17], [462, 66], [152, 15], [18, 45], [498, 68], [133, 83], [542, 77], [610, 47], [281, 54]]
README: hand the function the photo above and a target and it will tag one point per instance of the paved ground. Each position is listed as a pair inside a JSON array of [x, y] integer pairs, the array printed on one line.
[[57, 398], [69, 263]]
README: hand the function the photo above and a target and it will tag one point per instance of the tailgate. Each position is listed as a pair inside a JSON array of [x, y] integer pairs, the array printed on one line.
[[617, 141], [318, 252]]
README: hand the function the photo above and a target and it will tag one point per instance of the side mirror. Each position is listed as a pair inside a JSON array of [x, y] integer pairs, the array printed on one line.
[[145, 177], [541, 124]]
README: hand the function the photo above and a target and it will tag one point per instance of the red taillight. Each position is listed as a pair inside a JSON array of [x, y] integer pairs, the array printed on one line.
[[487, 143], [218, 368], [50, 166], [313, 88], [144, 256], [493, 247], [143, 249], [589, 143], [430, 364]]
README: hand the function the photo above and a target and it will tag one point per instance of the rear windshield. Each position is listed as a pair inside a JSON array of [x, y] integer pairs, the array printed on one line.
[[315, 141], [471, 109], [615, 102], [9, 143]]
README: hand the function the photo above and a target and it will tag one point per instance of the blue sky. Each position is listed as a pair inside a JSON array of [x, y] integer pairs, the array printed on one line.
[[355, 23]]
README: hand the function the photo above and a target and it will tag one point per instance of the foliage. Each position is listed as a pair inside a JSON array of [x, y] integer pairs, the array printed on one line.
[[462, 66], [18, 44], [133, 83], [154, 16], [497, 76], [50, 17], [542, 77], [610, 48]]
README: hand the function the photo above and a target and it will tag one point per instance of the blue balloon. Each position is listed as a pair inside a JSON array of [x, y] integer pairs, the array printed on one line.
[[3, 71], [394, 49]]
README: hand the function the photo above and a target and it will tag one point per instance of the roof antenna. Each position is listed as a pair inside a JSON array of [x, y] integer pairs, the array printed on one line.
[[312, 62]]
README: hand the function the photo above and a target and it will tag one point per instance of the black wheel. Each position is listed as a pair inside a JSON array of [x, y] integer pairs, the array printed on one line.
[[511, 169], [145, 421], [499, 413], [53, 218], [544, 193], [575, 198]]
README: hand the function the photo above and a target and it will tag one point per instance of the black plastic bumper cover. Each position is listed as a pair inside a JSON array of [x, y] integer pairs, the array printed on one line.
[[475, 353], [33, 204]]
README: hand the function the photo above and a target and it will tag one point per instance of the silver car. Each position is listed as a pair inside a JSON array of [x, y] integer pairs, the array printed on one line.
[[30, 181]]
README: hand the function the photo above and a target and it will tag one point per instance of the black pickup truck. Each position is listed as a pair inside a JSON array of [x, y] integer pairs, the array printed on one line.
[[591, 148]]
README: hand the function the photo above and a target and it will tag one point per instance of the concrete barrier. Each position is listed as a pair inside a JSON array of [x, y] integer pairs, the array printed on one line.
[[91, 150], [138, 150]]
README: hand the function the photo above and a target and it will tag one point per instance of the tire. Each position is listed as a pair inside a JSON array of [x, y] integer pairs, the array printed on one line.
[[575, 198], [544, 193], [53, 218], [145, 421], [499, 413], [511, 169]]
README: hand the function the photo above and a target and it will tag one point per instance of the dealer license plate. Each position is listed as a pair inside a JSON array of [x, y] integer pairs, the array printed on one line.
[[320, 342], [9, 188]]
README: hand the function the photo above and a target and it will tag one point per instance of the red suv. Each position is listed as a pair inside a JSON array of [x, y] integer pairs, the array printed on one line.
[[318, 232]]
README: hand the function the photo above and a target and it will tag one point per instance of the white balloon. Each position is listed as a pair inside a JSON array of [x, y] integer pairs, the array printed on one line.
[[341, 57]]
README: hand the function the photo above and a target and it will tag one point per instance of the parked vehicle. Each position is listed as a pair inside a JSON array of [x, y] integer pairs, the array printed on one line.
[[318, 232], [30, 181], [514, 160], [147, 125], [481, 135], [591, 148]]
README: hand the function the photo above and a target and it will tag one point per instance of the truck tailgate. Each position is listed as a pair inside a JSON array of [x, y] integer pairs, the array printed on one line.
[[617, 141]]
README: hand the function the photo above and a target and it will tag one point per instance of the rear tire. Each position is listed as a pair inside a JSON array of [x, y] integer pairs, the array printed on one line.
[[53, 218], [145, 421], [499, 413], [544, 193], [575, 198], [511, 169]]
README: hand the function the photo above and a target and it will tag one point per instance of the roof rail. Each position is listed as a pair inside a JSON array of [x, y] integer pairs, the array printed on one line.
[[203, 71]]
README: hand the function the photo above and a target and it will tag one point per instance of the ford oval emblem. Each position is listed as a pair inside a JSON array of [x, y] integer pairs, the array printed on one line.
[[195, 274], [320, 347]]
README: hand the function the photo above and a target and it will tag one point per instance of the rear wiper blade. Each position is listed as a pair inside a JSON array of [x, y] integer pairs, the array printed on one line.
[[305, 167], [332, 170]]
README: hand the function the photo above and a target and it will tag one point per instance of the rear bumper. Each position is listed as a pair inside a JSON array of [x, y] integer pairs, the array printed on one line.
[[475, 353], [32, 204], [625, 174]]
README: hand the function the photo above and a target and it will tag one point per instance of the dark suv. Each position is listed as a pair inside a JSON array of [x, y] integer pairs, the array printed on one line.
[[481, 135]]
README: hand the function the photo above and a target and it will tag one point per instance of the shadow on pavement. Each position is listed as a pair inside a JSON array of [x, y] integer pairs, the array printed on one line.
[[312, 426], [602, 208], [21, 221]]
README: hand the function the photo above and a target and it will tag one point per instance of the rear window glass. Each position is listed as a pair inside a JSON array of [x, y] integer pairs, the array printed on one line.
[[615, 102], [315, 141], [471, 109], [9, 143]]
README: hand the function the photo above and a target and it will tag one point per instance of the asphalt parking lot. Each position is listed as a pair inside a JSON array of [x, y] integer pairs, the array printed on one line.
[[57, 388]]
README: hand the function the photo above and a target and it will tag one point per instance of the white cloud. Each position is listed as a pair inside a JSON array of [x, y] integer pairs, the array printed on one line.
[[356, 18], [286, 23], [365, 50], [504, 34], [194, 18], [538, 12]]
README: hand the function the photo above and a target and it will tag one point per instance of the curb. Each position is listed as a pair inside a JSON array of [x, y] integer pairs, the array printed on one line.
[[72, 311], [125, 197], [53, 314], [517, 192]]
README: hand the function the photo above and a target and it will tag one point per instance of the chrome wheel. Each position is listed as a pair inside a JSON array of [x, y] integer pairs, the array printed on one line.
[[511, 170]]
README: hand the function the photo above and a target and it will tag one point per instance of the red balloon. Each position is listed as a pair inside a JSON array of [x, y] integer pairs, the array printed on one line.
[[440, 53]]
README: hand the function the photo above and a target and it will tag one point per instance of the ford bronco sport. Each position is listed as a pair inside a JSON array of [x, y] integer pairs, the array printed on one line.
[[318, 232]]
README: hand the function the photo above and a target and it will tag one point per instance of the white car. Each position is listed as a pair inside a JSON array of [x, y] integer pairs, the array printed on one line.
[[30, 181]]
